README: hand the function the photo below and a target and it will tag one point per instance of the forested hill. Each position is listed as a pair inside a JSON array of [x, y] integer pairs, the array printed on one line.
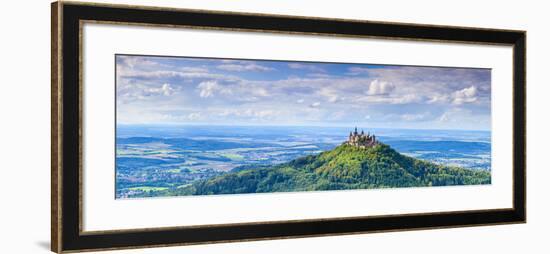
[[345, 167]]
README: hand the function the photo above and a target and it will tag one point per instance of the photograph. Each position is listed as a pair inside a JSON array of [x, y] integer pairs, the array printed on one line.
[[209, 126]]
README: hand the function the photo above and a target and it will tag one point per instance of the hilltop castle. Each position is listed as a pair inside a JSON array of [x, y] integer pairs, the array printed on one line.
[[361, 140]]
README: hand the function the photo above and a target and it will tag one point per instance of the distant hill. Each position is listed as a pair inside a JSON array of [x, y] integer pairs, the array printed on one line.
[[345, 167]]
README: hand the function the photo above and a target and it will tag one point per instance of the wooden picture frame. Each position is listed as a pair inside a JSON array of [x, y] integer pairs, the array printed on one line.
[[66, 97]]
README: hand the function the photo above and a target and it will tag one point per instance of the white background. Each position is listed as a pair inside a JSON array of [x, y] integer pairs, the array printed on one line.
[[24, 133]]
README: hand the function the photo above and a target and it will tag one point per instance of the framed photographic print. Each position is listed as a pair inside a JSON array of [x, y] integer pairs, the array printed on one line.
[[176, 126]]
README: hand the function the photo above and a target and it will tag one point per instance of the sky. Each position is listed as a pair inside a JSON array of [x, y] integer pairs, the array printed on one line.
[[209, 91]]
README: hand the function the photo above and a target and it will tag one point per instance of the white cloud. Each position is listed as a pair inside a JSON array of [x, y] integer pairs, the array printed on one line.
[[329, 93], [243, 67], [257, 91], [438, 98], [397, 99], [300, 101], [193, 69], [459, 97], [209, 88], [315, 105], [466, 95], [407, 98], [377, 87], [165, 90], [166, 74], [132, 92]]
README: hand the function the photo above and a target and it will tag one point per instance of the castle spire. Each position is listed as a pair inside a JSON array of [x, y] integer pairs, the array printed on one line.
[[361, 140]]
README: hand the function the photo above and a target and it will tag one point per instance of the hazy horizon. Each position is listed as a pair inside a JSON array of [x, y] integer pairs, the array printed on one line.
[[289, 126]]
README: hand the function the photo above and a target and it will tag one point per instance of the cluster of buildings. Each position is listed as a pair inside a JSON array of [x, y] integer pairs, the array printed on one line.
[[361, 140]]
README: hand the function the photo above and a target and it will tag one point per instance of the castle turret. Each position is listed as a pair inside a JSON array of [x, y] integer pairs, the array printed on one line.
[[360, 139]]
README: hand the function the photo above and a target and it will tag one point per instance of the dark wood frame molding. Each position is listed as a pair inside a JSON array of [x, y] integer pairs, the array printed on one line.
[[66, 124]]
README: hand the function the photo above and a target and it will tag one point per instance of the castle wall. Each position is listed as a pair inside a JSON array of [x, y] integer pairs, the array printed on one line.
[[361, 140]]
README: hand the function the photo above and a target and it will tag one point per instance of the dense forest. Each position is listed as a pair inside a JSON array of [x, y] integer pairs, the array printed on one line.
[[345, 167]]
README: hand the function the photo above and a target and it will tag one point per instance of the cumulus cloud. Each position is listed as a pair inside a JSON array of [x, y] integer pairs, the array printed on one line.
[[209, 88], [165, 90], [377, 87], [459, 97], [466, 95]]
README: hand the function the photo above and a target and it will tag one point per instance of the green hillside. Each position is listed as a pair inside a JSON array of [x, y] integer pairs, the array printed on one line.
[[345, 167]]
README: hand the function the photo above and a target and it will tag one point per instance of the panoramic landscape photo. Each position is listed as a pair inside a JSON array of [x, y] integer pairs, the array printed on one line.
[[208, 126]]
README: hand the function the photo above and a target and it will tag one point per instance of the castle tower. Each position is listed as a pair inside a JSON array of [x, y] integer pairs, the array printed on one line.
[[360, 139]]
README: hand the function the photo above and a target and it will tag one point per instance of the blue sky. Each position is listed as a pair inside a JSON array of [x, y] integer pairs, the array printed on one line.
[[202, 91]]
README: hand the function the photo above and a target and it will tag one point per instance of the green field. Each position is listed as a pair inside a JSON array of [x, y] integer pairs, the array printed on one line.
[[147, 188], [232, 156]]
